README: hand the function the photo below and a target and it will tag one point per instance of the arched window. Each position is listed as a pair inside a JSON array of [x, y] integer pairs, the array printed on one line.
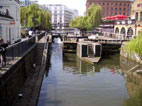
[[136, 17], [117, 30], [130, 32], [123, 31]]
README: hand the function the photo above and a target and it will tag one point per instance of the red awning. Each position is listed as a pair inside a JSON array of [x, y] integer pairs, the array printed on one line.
[[121, 16], [117, 17]]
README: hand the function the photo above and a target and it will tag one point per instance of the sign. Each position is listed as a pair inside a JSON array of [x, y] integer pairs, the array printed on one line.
[[123, 22], [11, 23], [118, 23]]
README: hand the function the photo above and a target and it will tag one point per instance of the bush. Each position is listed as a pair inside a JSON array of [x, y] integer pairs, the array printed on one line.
[[135, 45]]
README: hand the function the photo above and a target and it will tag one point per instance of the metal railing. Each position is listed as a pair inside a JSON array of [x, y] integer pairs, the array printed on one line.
[[117, 36], [19, 49]]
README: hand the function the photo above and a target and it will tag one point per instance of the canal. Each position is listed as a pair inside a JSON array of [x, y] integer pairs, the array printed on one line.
[[72, 82]]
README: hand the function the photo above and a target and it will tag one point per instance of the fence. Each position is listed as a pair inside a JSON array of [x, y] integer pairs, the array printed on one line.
[[117, 36], [19, 49]]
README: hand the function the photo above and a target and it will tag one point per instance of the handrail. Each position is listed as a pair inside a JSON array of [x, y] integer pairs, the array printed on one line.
[[19, 49]]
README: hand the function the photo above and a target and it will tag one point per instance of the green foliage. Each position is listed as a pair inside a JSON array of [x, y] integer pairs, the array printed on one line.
[[135, 45], [134, 100], [91, 20], [42, 18], [95, 13]]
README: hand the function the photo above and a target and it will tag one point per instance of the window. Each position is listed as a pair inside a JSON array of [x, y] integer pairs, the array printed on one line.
[[130, 32], [123, 31], [120, 9], [141, 17], [117, 31], [136, 17], [107, 3], [124, 9], [123, 13], [120, 4], [116, 9], [116, 4]]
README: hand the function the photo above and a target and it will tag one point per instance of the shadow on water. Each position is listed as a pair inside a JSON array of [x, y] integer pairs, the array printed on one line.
[[72, 82]]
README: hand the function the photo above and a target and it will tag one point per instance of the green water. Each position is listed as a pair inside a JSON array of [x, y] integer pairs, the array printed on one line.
[[72, 82]]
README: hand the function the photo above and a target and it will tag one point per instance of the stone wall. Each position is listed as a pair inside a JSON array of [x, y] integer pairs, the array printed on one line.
[[13, 80]]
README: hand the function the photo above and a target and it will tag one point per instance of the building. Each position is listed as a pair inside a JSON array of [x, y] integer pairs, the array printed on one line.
[[61, 16], [10, 21], [132, 26], [27, 2], [112, 7]]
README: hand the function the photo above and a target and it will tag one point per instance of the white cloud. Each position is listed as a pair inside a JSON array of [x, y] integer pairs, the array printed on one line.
[[80, 5]]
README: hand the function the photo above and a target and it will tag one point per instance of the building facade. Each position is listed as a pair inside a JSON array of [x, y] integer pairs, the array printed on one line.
[[61, 16], [10, 21], [132, 26], [112, 7], [27, 2]]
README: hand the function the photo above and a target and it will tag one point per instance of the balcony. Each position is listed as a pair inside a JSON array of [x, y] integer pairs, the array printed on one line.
[[5, 15]]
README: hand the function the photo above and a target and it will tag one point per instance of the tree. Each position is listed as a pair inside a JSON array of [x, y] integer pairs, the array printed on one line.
[[95, 13], [82, 23], [33, 16], [91, 20]]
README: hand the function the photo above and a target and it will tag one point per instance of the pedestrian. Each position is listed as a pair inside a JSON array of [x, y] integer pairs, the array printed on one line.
[[30, 33], [1, 57], [4, 46]]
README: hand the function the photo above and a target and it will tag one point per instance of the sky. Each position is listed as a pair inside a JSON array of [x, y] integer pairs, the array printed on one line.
[[79, 5]]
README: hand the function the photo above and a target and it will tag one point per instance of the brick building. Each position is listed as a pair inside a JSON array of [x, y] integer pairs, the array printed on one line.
[[112, 7]]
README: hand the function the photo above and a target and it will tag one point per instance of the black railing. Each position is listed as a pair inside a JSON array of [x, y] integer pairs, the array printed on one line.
[[19, 49], [41, 35]]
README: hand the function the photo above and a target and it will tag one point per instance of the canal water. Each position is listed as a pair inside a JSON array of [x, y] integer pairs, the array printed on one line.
[[72, 82]]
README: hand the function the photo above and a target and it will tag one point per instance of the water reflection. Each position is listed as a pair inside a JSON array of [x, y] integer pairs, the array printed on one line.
[[133, 82], [72, 82], [76, 66], [73, 64]]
